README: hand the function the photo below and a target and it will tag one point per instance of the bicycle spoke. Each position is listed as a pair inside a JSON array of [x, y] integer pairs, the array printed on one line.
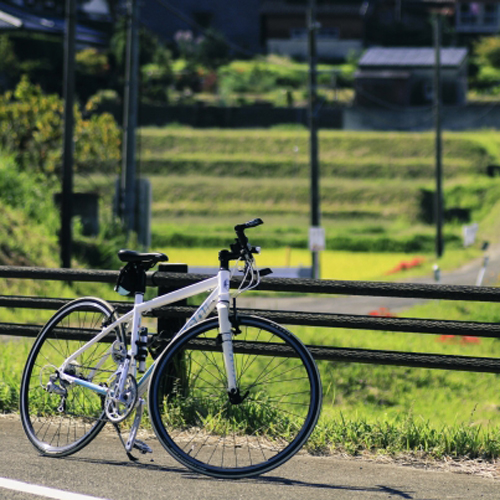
[[200, 425], [66, 416]]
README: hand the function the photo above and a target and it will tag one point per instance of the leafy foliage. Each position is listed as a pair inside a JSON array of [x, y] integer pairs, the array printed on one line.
[[485, 75], [487, 51], [31, 128], [8, 61], [28, 218]]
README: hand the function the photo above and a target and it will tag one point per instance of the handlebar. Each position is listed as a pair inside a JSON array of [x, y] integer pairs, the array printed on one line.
[[247, 225], [241, 248]]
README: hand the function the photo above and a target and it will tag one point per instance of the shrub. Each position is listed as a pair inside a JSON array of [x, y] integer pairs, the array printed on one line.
[[31, 128], [487, 51], [28, 217], [156, 79], [213, 50], [92, 62], [9, 64], [26, 192]]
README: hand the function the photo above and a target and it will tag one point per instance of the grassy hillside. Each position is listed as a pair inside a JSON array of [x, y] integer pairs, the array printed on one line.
[[29, 225], [376, 188], [28, 219]]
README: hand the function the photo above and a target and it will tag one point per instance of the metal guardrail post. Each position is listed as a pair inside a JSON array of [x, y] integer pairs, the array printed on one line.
[[168, 326]]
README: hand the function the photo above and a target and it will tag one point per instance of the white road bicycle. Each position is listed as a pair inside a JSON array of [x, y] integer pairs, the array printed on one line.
[[230, 396]]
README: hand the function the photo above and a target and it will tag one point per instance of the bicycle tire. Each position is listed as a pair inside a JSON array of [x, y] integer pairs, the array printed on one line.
[[196, 423], [56, 427]]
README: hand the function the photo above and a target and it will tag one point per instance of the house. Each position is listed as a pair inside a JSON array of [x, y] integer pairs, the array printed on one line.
[[404, 77], [237, 21], [477, 18], [284, 27], [47, 17]]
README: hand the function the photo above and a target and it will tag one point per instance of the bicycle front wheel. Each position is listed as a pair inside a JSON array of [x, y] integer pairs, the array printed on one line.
[[60, 418], [201, 427]]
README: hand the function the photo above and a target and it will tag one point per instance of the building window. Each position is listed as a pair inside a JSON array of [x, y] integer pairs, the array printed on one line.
[[469, 13], [478, 15], [322, 33], [490, 14]]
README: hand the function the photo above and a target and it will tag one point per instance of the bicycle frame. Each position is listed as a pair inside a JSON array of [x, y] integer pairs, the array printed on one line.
[[219, 296]]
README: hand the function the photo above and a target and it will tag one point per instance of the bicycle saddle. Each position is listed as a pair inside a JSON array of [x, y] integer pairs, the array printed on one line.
[[133, 256]]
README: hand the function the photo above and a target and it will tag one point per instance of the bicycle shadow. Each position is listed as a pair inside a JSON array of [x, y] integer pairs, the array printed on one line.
[[269, 480]]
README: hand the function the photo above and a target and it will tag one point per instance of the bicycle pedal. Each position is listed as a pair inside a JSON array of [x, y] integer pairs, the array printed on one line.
[[142, 447]]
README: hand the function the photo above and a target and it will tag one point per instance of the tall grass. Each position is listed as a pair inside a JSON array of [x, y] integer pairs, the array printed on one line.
[[405, 435]]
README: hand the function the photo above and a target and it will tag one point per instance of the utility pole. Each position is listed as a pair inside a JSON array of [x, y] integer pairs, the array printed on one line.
[[128, 176], [312, 26], [438, 203], [66, 237]]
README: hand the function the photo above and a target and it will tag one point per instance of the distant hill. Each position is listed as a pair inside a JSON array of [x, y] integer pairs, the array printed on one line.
[[376, 187]]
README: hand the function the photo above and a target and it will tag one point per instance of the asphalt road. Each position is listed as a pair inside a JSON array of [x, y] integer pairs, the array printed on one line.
[[467, 275], [103, 471]]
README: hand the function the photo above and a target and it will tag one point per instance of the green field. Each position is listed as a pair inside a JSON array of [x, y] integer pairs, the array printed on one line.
[[375, 188]]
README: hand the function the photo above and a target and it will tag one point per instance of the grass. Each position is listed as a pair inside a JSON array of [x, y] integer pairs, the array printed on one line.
[[375, 188], [375, 408], [365, 204], [339, 265], [405, 435], [475, 147]]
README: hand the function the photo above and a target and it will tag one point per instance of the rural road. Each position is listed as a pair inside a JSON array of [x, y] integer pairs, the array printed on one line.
[[102, 471], [466, 275]]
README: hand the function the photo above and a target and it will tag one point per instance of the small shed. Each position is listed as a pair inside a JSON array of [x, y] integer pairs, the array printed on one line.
[[405, 76]]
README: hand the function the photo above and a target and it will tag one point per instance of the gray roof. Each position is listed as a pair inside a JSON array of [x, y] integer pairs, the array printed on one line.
[[411, 57]]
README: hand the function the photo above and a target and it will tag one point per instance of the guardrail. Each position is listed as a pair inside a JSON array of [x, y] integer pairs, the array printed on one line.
[[167, 279]]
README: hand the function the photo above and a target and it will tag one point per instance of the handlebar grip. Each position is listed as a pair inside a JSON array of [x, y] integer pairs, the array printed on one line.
[[247, 225]]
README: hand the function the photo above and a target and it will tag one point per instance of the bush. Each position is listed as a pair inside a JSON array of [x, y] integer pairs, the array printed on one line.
[[92, 62], [156, 79], [31, 128], [487, 51], [213, 50], [28, 217]]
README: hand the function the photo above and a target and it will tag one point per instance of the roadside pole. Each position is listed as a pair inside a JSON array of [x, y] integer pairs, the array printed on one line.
[[66, 236], [127, 192], [312, 27], [438, 203]]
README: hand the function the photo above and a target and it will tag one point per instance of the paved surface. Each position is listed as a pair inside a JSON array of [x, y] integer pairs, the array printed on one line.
[[467, 275], [102, 470]]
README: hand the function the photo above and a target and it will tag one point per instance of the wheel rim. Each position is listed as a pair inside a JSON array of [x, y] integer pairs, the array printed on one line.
[[65, 418], [280, 402]]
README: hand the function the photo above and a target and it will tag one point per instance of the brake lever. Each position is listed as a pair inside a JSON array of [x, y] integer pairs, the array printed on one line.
[[264, 272]]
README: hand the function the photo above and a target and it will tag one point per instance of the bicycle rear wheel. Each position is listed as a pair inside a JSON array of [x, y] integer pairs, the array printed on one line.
[[197, 423], [61, 418]]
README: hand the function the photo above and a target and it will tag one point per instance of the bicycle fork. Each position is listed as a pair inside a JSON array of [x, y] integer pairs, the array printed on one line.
[[226, 337]]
